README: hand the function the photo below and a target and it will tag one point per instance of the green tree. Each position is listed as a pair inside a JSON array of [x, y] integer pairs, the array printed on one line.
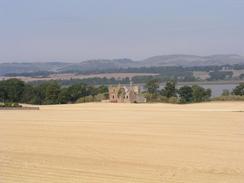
[[39, 95], [64, 96], [200, 94], [152, 86], [91, 90], [102, 89], [186, 94], [169, 89], [14, 89], [77, 91], [239, 90], [3, 94], [28, 94], [52, 93]]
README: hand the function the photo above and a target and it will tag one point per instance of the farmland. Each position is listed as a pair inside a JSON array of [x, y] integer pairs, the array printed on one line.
[[102, 142]]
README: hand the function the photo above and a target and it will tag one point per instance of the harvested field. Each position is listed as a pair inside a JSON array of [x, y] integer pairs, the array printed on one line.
[[136, 143], [79, 76]]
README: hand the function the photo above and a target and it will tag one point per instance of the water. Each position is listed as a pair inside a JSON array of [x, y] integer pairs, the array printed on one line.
[[217, 89]]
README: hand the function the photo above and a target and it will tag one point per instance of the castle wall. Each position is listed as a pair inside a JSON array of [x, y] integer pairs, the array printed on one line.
[[125, 95]]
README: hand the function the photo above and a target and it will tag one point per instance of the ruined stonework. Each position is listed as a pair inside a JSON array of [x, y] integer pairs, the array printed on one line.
[[124, 94]]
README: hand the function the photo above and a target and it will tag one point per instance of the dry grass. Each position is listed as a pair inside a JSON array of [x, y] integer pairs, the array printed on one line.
[[229, 98], [154, 143]]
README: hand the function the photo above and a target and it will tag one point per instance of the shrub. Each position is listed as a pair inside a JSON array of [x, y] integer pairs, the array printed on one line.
[[152, 97], [89, 98], [239, 90], [229, 98], [10, 104], [100, 97], [173, 100], [16, 105], [85, 99], [225, 93], [164, 99]]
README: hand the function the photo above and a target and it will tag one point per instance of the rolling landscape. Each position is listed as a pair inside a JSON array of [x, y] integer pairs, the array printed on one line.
[[125, 91], [106, 64], [182, 68]]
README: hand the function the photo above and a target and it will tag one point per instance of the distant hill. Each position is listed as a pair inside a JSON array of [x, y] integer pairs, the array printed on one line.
[[6, 68], [92, 65], [104, 64], [193, 60], [165, 60]]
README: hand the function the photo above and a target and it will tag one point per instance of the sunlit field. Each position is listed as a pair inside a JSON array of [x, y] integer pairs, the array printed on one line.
[[134, 143]]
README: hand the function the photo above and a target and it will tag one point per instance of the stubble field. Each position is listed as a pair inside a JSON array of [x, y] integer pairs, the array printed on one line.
[[134, 143]]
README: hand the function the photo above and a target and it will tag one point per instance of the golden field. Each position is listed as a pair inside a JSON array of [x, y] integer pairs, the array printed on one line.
[[134, 143]]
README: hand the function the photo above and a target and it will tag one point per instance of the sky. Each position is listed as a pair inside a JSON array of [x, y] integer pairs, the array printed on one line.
[[77, 30]]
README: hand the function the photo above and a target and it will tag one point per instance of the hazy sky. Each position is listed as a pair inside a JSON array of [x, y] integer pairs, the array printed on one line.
[[75, 30]]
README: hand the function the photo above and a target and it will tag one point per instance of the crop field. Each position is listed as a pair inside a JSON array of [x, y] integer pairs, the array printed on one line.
[[123, 143], [70, 76]]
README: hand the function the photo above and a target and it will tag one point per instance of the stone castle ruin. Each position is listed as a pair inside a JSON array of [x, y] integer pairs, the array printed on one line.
[[124, 94]]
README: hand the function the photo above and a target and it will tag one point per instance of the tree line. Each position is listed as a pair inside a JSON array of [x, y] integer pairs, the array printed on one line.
[[17, 91], [185, 94], [51, 92], [165, 73]]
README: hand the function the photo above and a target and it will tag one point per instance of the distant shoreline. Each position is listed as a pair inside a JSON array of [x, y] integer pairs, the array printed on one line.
[[210, 82], [203, 83]]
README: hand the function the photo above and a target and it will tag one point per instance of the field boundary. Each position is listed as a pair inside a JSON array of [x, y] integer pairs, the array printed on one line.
[[18, 108]]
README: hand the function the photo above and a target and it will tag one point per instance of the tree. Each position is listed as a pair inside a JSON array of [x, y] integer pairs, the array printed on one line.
[[200, 94], [170, 89], [77, 91], [102, 89], [52, 93], [239, 90], [28, 94], [39, 95], [46, 93], [152, 86], [186, 94], [63, 96], [3, 94], [14, 90], [91, 90]]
